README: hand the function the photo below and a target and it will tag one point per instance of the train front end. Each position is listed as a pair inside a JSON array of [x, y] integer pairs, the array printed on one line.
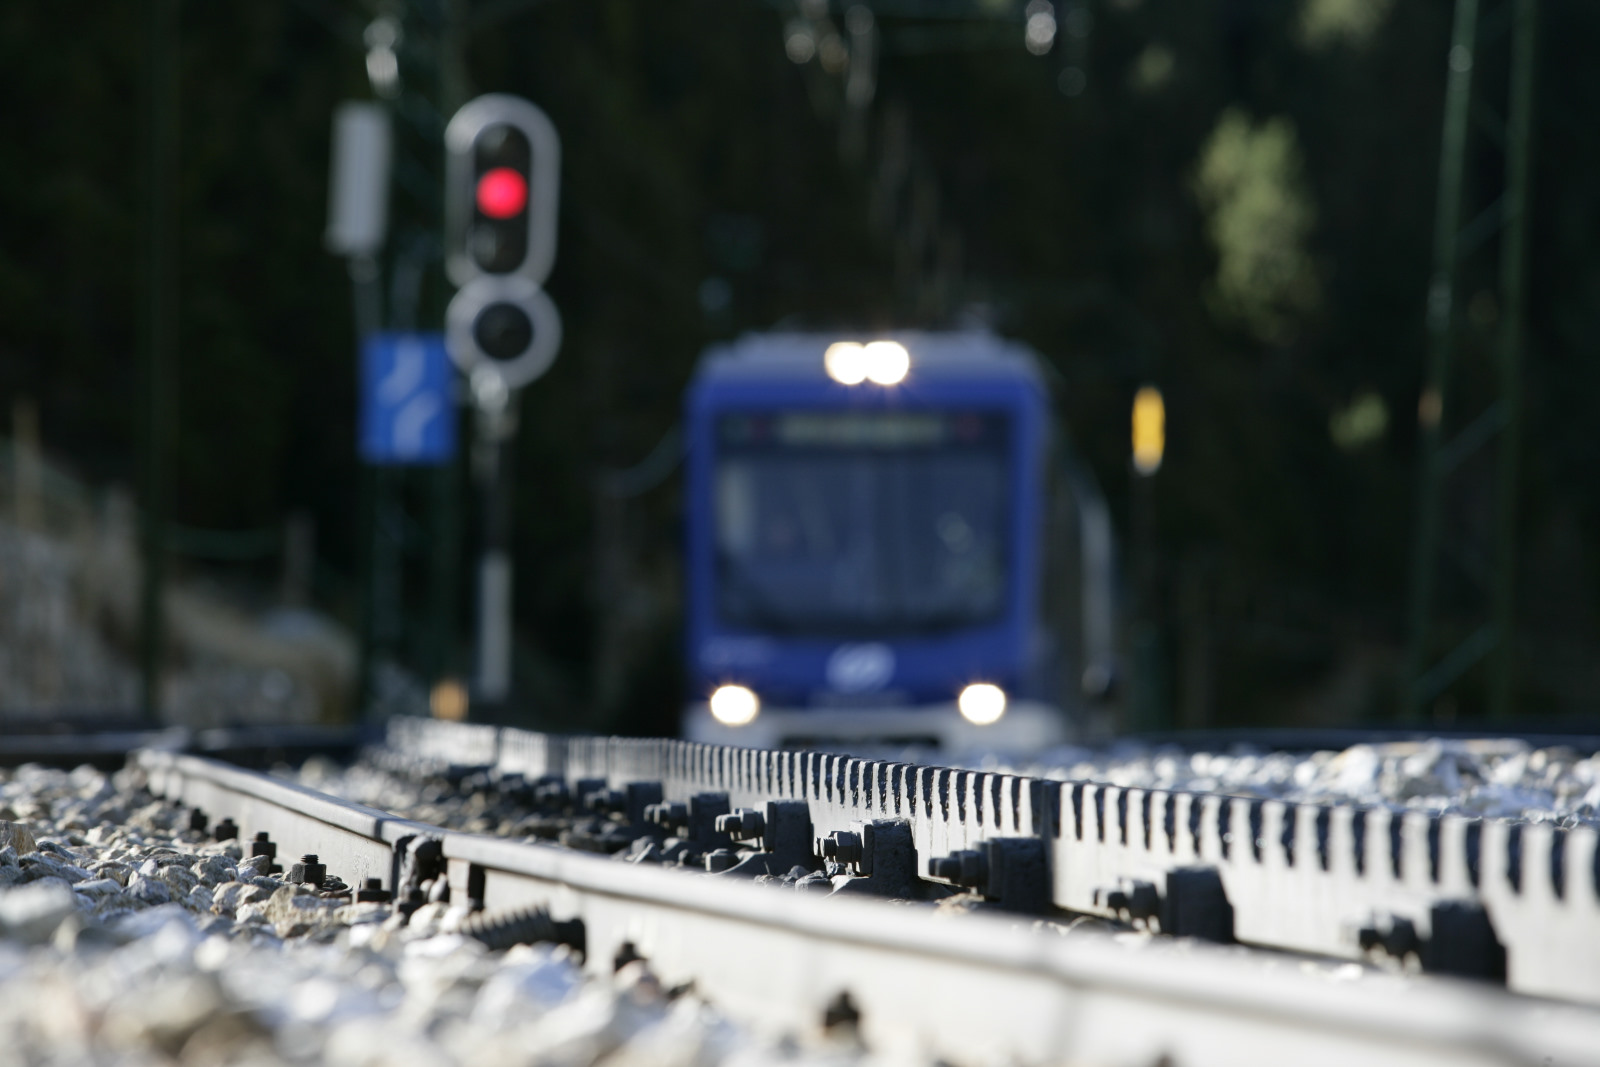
[[864, 520]]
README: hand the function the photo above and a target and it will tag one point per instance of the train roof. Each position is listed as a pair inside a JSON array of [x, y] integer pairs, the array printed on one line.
[[964, 354]]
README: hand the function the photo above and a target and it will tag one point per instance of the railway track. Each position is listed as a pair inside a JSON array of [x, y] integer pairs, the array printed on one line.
[[1331, 884], [1489, 898]]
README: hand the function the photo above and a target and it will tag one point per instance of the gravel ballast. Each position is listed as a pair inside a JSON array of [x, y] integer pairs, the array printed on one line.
[[1496, 777], [127, 938]]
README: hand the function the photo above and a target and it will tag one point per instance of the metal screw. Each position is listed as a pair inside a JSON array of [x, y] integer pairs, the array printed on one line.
[[746, 824], [841, 1011], [667, 815], [1144, 901], [1401, 938], [414, 900], [226, 830], [966, 867], [308, 871], [842, 846], [606, 800], [372, 893], [264, 846]]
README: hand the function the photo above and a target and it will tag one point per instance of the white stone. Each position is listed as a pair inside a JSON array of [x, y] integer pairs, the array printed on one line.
[[31, 913]]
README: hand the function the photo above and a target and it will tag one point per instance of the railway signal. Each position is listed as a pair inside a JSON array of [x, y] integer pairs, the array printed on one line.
[[502, 173], [502, 180]]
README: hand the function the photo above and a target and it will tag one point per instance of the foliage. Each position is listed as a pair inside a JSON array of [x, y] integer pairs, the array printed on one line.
[[1238, 206], [1259, 216]]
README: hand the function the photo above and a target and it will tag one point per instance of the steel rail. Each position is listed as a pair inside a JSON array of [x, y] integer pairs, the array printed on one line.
[[1487, 897], [977, 989]]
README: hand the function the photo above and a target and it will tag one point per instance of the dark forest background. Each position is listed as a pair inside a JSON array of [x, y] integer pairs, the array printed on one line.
[[1232, 199]]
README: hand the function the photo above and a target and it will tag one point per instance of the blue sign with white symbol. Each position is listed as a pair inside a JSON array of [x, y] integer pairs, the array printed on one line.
[[406, 413]]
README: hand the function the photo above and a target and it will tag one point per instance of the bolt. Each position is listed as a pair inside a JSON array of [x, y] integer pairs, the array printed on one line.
[[1144, 902], [226, 830], [974, 868], [842, 846], [967, 867], [626, 954], [720, 859], [667, 815], [584, 788], [414, 900], [197, 820], [308, 871], [372, 893], [746, 824], [551, 794], [609, 801], [841, 1011], [263, 846], [1401, 938]]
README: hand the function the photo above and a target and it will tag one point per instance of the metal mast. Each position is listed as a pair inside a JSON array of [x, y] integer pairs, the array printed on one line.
[[1498, 420]]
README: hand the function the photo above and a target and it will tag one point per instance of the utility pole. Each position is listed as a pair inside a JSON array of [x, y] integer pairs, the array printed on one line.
[[161, 299], [1499, 417]]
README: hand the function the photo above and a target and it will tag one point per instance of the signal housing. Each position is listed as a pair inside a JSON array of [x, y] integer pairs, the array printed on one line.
[[502, 177]]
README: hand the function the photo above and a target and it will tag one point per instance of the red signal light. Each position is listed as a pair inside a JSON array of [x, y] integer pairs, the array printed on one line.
[[502, 193]]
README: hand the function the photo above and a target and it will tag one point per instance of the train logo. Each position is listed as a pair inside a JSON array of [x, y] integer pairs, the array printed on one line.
[[860, 668]]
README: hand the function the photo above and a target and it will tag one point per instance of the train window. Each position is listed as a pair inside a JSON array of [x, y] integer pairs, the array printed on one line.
[[829, 523]]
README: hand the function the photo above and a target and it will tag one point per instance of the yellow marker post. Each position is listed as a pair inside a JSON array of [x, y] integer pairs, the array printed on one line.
[[448, 701], [1149, 430]]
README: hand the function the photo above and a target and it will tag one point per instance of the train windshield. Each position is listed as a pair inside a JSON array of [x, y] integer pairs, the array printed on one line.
[[842, 523]]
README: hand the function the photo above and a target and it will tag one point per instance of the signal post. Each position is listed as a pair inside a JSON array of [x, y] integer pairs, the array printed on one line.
[[502, 175]]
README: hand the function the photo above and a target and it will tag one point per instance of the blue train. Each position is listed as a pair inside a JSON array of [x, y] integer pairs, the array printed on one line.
[[888, 541]]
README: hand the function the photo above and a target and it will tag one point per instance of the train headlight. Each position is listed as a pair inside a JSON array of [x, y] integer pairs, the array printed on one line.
[[887, 362], [846, 363], [982, 704], [734, 705], [882, 362]]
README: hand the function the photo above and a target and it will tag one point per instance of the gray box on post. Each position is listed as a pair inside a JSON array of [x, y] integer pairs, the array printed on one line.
[[358, 186]]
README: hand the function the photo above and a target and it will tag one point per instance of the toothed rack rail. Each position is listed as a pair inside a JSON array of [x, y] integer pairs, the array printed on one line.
[[1463, 895]]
